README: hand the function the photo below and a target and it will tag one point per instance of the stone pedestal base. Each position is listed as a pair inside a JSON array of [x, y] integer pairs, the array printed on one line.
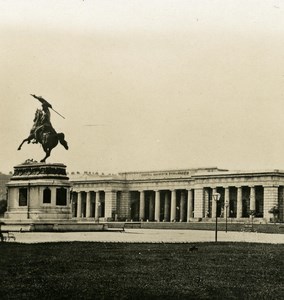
[[39, 191]]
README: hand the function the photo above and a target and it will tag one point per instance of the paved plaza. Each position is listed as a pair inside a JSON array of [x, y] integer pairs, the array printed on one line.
[[149, 236]]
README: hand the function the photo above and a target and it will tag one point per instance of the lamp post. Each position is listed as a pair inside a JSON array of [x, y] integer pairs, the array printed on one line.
[[216, 198], [227, 211]]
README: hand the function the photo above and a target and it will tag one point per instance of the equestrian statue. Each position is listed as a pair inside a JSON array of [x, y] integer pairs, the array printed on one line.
[[42, 131]]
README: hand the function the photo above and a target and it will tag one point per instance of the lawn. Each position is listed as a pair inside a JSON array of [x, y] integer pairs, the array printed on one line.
[[83, 270]]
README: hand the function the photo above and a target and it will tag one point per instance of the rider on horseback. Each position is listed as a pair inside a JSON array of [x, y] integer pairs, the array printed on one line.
[[43, 132], [44, 123]]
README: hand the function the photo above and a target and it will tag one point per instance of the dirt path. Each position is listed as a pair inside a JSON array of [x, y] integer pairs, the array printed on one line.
[[150, 236]]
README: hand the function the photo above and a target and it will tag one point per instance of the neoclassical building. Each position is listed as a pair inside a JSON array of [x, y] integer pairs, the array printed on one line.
[[178, 195]]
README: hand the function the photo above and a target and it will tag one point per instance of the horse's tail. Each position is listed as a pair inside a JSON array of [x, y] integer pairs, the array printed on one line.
[[61, 138]]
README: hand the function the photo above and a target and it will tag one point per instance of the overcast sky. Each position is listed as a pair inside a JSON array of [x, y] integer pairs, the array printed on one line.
[[145, 85]]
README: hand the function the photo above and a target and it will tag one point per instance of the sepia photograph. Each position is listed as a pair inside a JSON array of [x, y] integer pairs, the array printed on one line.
[[141, 149]]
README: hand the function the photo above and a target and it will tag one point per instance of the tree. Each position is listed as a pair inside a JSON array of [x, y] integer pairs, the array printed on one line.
[[3, 206]]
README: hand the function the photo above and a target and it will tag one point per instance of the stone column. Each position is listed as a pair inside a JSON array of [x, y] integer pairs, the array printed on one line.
[[214, 203], [189, 205], [74, 212], [226, 202], [79, 205], [270, 200], [239, 202], [142, 206], [199, 203], [97, 206], [88, 205], [182, 207], [151, 207], [206, 197], [110, 205], [173, 205], [167, 207], [124, 207], [252, 198], [157, 206]]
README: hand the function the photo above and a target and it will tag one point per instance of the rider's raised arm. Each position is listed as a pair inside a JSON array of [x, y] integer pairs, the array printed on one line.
[[42, 100]]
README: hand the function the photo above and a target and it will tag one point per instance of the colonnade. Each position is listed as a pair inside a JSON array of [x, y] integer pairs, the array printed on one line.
[[155, 208], [87, 205], [176, 205], [232, 202], [235, 202]]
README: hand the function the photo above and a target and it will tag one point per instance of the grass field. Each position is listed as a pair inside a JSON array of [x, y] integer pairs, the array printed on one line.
[[81, 270]]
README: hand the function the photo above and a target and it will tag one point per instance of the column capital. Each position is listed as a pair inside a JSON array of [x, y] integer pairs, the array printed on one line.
[[222, 186], [271, 185], [110, 191], [199, 188]]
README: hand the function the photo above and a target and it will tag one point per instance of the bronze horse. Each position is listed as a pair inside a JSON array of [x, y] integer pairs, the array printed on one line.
[[48, 139]]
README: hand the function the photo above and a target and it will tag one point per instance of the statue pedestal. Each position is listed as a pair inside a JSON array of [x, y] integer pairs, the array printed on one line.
[[39, 192]]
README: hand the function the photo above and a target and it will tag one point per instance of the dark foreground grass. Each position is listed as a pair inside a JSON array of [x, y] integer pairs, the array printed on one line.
[[141, 271]]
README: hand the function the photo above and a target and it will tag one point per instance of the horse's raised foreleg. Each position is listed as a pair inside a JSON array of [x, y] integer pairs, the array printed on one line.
[[28, 139]]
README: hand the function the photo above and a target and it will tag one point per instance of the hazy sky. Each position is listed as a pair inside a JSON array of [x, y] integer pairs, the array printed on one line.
[[165, 84]]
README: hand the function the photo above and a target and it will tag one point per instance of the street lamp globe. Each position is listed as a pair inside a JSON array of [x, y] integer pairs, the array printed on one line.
[[216, 196]]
